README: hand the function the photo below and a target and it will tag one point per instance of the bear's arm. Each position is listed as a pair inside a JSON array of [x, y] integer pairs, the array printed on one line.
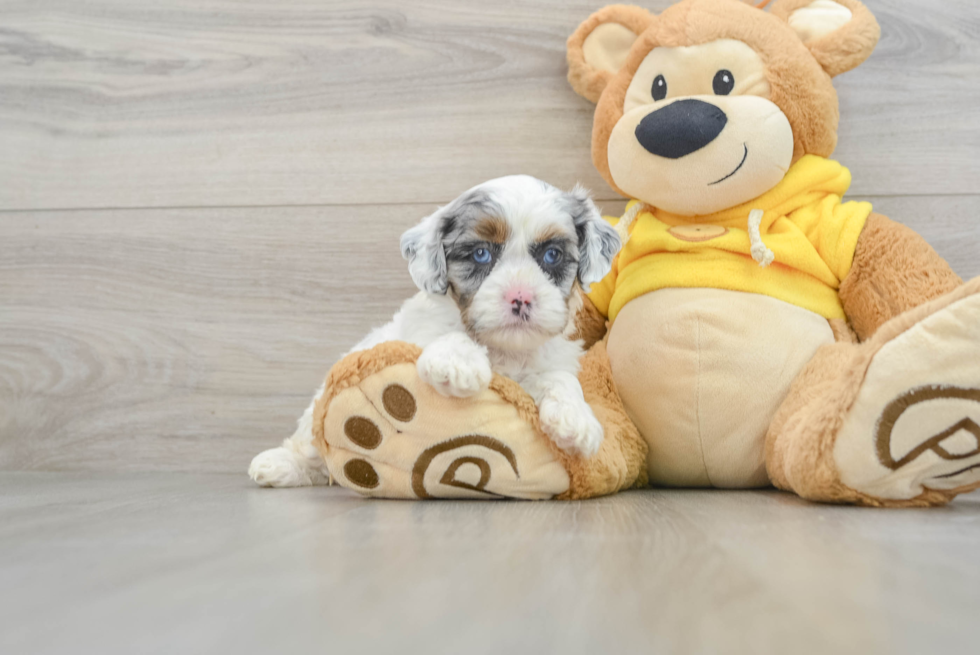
[[894, 270], [590, 324]]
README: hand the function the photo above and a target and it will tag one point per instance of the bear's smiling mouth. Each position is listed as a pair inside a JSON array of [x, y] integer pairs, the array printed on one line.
[[737, 169]]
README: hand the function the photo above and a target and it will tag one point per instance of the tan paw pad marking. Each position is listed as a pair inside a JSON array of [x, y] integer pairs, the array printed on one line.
[[393, 436], [361, 473], [959, 441], [362, 432], [449, 477], [915, 423], [399, 402]]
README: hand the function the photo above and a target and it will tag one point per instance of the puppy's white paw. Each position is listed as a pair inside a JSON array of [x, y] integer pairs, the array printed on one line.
[[571, 425], [279, 467], [455, 366]]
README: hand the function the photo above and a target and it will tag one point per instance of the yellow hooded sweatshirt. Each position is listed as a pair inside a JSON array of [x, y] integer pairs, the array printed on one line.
[[812, 234]]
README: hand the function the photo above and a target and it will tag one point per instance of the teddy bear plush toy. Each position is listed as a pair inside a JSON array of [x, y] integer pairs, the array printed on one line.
[[756, 328]]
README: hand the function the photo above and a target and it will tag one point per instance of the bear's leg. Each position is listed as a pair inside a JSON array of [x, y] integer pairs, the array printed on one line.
[[893, 421], [384, 432]]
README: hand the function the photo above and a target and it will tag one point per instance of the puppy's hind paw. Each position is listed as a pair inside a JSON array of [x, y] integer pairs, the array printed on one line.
[[279, 467], [571, 425]]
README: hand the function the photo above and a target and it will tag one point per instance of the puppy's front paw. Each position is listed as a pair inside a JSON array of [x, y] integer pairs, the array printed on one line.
[[571, 425], [455, 366]]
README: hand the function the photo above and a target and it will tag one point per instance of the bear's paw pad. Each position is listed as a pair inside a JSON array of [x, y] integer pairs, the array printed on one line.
[[915, 424], [393, 436]]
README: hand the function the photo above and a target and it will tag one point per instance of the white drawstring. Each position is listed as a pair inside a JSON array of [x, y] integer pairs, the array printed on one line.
[[760, 252], [623, 226]]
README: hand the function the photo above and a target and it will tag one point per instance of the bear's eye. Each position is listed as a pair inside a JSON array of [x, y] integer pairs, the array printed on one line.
[[659, 88], [724, 83]]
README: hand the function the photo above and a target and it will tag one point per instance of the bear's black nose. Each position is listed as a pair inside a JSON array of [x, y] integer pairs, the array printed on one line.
[[680, 128]]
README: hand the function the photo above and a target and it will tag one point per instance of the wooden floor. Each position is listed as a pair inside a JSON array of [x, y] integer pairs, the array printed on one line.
[[200, 204], [204, 563]]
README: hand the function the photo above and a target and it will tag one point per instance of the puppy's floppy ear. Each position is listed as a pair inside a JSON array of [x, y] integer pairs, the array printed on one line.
[[598, 48], [598, 241], [422, 247], [840, 34]]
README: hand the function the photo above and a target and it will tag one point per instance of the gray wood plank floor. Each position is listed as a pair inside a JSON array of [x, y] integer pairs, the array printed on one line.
[[180, 563]]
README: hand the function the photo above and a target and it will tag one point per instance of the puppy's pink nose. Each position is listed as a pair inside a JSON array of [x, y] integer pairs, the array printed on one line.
[[520, 301]]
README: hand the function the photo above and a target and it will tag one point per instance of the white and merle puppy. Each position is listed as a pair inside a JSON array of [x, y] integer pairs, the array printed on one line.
[[498, 270]]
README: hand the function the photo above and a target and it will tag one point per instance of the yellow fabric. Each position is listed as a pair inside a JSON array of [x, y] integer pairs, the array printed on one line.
[[812, 233]]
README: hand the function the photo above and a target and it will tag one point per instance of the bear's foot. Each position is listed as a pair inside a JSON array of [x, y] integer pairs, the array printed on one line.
[[386, 433], [914, 426]]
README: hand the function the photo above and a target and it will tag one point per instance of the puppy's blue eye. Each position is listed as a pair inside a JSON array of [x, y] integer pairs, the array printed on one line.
[[482, 256], [552, 256]]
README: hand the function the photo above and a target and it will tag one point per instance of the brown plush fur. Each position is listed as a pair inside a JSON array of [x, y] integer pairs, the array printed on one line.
[[589, 82], [845, 49], [800, 86], [621, 460], [590, 325], [896, 279], [800, 441], [620, 463], [894, 270], [842, 331]]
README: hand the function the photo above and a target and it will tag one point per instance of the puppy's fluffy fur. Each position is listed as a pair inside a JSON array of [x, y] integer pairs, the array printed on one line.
[[498, 270]]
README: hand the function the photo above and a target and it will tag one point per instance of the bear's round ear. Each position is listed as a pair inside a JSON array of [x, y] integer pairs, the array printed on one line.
[[598, 48], [840, 34]]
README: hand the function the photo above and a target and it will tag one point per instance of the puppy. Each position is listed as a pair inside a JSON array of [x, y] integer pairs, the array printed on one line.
[[498, 270]]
